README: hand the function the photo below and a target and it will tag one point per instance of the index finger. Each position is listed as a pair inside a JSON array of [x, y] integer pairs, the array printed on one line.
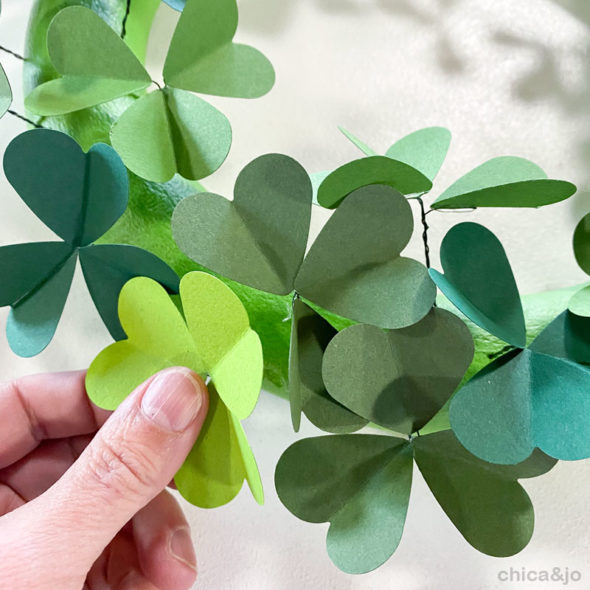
[[41, 407]]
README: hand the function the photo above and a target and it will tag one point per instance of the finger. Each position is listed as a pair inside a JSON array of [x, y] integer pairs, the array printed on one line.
[[39, 470], [164, 545], [128, 463], [41, 407]]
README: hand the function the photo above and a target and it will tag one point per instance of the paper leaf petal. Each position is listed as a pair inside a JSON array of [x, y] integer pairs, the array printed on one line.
[[479, 281], [579, 304], [360, 484], [215, 469], [259, 239], [108, 267], [202, 57], [506, 181], [171, 131], [229, 348], [361, 145], [582, 243], [5, 92], [96, 65], [33, 319], [310, 336], [399, 379], [157, 338], [354, 269], [368, 171], [521, 401], [484, 501], [78, 195], [425, 150]]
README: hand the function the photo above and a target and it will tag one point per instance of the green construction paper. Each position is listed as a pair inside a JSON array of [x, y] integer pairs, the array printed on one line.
[[5, 92], [354, 269], [425, 150], [219, 462], [259, 238], [506, 181], [521, 401], [565, 337], [479, 281], [230, 349], [580, 302], [360, 484], [202, 57], [484, 501], [95, 64], [310, 335], [369, 171], [399, 379], [107, 267], [582, 243], [361, 145], [78, 195], [158, 337], [33, 319], [172, 131]]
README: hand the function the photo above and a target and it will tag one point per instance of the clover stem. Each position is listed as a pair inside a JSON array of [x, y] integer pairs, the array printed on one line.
[[13, 53], [424, 232], [22, 118], [124, 23]]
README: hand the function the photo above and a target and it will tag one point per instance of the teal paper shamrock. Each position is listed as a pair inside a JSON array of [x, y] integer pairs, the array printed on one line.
[[169, 130], [361, 483], [533, 396], [79, 196]]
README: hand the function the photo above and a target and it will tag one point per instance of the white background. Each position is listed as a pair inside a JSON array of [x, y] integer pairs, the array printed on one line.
[[507, 78]]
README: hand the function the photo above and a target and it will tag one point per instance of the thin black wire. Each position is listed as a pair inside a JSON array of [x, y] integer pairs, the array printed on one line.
[[424, 232], [13, 53], [124, 24], [19, 116]]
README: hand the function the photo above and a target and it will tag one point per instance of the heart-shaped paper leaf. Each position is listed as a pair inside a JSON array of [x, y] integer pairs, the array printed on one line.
[[582, 243], [580, 302], [400, 378], [78, 195], [229, 348], [171, 131], [506, 181], [259, 239], [202, 57], [367, 171], [360, 484], [5, 92], [158, 337], [478, 280], [354, 269], [310, 335], [484, 501], [361, 145], [425, 150], [522, 401], [95, 64]]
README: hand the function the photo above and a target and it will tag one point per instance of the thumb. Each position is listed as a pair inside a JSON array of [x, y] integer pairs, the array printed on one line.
[[129, 462]]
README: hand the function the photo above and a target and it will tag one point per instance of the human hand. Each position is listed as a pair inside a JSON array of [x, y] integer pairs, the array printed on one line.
[[81, 490]]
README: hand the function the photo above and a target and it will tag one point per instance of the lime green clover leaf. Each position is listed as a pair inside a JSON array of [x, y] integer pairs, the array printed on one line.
[[213, 338], [169, 130], [354, 268], [535, 395], [79, 196]]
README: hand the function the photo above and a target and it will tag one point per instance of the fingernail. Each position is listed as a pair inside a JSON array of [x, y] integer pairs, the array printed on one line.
[[181, 547], [173, 399]]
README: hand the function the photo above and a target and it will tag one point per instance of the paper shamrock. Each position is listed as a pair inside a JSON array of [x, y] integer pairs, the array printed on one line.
[[169, 130], [506, 181], [79, 196], [212, 336], [580, 302], [534, 396], [360, 483]]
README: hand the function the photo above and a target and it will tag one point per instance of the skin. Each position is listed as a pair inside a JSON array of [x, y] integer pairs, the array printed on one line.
[[82, 491]]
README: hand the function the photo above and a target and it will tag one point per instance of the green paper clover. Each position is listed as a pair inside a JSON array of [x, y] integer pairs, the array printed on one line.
[[213, 338], [79, 196], [169, 130], [531, 397], [580, 302], [361, 485], [5, 93]]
